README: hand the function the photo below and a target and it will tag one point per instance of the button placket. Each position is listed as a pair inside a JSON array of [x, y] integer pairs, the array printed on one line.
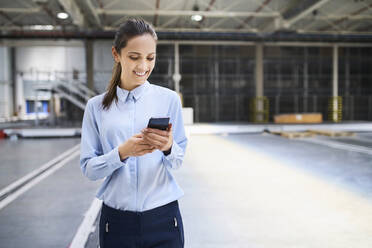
[[133, 166], [131, 108]]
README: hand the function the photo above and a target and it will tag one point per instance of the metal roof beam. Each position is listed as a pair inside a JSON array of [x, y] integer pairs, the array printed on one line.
[[9, 19], [344, 17], [74, 11], [354, 26], [304, 13], [226, 9], [347, 17], [111, 3], [169, 22], [94, 13], [258, 10], [14, 19], [202, 30], [185, 13], [21, 10]]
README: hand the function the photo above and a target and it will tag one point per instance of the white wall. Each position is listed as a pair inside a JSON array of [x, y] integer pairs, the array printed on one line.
[[50, 59], [6, 92], [103, 63]]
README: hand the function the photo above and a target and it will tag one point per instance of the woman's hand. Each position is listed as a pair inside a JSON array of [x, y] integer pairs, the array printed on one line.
[[135, 146], [159, 139]]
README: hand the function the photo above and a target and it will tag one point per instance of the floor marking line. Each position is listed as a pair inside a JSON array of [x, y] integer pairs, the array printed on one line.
[[37, 171], [11, 197], [348, 147], [85, 228]]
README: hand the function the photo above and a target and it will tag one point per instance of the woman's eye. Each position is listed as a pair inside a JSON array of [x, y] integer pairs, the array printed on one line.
[[133, 58], [150, 59]]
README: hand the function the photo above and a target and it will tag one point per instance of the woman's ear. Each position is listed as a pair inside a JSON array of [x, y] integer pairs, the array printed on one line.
[[115, 55]]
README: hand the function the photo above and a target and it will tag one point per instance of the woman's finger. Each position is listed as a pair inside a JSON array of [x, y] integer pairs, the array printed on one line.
[[143, 142], [157, 143], [144, 146], [153, 136], [139, 135], [156, 146], [156, 131]]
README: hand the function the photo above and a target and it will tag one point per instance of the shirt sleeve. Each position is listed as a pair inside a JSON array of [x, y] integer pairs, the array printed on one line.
[[93, 163], [174, 160]]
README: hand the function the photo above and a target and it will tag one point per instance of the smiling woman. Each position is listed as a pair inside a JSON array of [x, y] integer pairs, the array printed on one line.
[[139, 193], [137, 60], [134, 40]]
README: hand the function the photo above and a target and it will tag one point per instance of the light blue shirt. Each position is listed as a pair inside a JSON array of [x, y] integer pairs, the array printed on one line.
[[137, 183]]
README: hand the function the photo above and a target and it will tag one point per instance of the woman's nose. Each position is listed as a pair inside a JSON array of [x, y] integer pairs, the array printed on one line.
[[142, 65]]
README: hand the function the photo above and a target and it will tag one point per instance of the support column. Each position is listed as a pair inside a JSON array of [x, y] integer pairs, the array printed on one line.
[[187, 113], [347, 72], [20, 99], [335, 71], [216, 80], [335, 106], [13, 78], [306, 81], [259, 101], [5, 81], [176, 75], [347, 85], [89, 63], [52, 113], [259, 70]]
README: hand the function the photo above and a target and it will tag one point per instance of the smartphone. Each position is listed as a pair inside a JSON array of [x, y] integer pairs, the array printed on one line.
[[159, 123]]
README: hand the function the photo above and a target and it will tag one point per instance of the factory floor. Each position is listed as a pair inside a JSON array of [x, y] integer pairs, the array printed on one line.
[[241, 190]]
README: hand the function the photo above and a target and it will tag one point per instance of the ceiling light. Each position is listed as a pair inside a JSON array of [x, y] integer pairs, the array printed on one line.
[[62, 15], [196, 18]]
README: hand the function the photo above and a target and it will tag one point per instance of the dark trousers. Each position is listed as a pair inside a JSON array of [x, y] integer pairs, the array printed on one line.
[[161, 227]]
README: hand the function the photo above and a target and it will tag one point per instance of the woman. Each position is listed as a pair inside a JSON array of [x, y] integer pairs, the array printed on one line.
[[139, 192]]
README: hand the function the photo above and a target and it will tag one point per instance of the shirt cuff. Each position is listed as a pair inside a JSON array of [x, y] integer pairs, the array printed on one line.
[[114, 158], [174, 151]]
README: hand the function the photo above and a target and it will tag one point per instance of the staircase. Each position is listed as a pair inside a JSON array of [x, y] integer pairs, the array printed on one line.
[[74, 91]]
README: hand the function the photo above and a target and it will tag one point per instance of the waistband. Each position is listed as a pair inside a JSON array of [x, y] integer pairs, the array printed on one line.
[[159, 211]]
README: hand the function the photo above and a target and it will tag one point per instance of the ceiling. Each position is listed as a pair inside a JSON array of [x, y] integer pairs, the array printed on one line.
[[340, 17]]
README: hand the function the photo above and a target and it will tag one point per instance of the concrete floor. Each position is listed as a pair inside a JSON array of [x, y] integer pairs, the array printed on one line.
[[49, 214], [268, 191], [19, 157], [241, 190]]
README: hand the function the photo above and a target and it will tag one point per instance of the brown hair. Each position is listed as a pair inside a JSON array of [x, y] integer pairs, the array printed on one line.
[[129, 29]]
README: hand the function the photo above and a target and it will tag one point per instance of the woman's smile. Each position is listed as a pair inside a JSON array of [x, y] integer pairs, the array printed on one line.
[[140, 74]]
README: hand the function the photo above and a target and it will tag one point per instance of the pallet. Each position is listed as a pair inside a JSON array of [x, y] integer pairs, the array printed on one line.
[[293, 135], [298, 118], [331, 133]]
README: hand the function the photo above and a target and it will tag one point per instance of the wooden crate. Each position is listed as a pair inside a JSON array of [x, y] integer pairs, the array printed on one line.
[[298, 118]]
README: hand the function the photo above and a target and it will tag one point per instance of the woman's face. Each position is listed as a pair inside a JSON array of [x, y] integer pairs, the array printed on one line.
[[137, 60]]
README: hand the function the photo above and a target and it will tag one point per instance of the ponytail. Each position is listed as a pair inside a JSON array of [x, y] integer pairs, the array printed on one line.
[[111, 90]]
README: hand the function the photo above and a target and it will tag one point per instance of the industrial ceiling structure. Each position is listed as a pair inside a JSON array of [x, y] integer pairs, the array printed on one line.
[[256, 17]]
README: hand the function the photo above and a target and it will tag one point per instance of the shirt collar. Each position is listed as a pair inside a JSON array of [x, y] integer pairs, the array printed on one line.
[[136, 92]]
